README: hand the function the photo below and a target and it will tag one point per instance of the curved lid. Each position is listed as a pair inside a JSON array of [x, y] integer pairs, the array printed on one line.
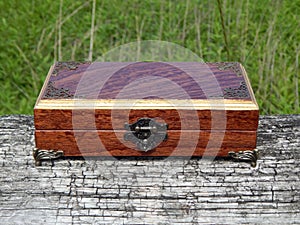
[[147, 85]]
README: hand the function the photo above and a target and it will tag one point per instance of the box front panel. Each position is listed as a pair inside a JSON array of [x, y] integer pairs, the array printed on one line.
[[105, 143], [106, 119]]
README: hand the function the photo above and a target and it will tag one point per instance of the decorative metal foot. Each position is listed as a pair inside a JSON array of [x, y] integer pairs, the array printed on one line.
[[40, 155], [245, 156]]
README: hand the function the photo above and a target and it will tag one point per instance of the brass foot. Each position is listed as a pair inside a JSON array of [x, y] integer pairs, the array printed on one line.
[[40, 155], [245, 156]]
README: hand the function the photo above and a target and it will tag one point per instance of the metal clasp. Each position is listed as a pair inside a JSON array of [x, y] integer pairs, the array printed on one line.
[[146, 133]]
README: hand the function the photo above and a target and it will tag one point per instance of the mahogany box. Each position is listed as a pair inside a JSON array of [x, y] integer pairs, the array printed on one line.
[[146, 109]]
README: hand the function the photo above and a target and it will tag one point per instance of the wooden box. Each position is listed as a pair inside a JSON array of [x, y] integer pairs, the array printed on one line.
[[146, 109]]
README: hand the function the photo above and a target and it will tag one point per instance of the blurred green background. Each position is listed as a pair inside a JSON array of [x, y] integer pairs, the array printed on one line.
[[264, 35]]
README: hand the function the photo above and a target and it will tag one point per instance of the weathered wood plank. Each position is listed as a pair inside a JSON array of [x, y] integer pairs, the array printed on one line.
[[148, 191]]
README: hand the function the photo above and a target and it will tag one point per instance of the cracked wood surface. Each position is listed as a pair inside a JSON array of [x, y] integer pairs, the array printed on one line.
[[147, 191]]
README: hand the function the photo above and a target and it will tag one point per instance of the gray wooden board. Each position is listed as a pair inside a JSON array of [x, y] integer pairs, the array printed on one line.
[[141, 191]]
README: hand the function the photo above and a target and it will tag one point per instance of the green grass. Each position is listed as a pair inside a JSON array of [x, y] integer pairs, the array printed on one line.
[[263, 35]]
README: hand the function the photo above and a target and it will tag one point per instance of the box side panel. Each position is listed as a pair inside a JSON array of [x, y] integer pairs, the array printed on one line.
[[44, 86], [249, 86]]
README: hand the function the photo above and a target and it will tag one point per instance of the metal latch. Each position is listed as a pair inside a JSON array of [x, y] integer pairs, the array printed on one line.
[[146, 133]]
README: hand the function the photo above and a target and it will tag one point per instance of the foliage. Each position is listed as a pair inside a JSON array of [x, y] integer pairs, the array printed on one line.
[[263, 35]]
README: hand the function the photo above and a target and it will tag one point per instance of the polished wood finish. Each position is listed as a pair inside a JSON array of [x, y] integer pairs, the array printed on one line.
[[172, 80], [101, 119], [211, 99], [88, 143]]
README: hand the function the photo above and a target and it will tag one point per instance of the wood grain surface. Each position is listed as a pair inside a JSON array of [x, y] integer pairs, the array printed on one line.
[[195, 123], [88, 143], [154, 190], [180, 80], [100, 119]]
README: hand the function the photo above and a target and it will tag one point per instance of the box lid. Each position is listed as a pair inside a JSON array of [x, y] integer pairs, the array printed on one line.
[[147, 88]]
